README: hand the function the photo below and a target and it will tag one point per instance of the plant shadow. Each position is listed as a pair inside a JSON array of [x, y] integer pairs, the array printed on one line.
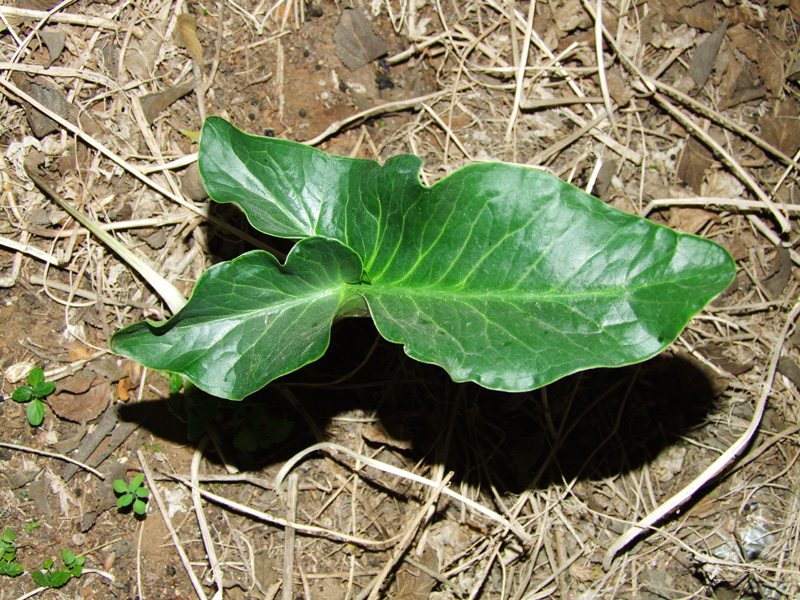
[[592, 425]]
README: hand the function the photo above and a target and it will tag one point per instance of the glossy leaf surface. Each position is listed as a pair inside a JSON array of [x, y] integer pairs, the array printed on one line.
[[250, 320], [501, 274]]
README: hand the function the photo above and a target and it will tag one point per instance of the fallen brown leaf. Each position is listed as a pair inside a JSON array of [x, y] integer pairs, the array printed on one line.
[[84, 407], [186, 37]]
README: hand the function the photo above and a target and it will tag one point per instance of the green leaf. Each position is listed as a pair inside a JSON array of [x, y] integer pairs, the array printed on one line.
[[7, 538], [44, 389], [137, 481], [245, 440], [504, 275], [22, 394], [250, 320], [42, 579], [36, 376], [11, 569], [68, 557], [120, 486], [35, 412], [59, 578], [277, 430], [141, 492], [125, 500], [48, 563], [175, 383], [139, 507], [287, 192]]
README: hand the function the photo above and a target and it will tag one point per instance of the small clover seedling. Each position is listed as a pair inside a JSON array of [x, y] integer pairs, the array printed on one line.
[[34, 394], [73, 563], [132, 495], [55, 578], [8, 555]]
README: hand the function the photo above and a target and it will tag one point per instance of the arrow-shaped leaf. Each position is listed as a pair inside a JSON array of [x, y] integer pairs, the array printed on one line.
[[503, 275], [251, 320]]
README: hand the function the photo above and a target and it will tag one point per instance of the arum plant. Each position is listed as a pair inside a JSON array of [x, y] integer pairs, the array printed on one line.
[[503, 275]]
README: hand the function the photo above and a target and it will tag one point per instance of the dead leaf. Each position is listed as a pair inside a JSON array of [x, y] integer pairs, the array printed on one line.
[[665, 36], [192, 184], [721, 184], [82, 407], [782, 129], [789, 368], [55, 42], [770, 68], [694, 161], [716, 353], [140, 59], [186, 37], [744, 41], [705, 55], [617, 88], [781, 274], [414, 584], [356, 43], [154, 104], [77, 351], [123, 389], [688, 220], [571, 16], [76, 384], [48, 95], [699, 16]]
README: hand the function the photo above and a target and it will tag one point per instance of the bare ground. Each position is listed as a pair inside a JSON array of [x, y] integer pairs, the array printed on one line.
[[689, 118]]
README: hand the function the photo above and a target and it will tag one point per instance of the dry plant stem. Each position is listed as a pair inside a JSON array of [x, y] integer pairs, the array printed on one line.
[[83, 293], [68, 18], [523, 63], [719, 465], [133, 170], [746, 178], [59, 72], [287, 589], [139, 562], [26, 249], [53, 455], [31, 594], [722, 120], [151, 483], [35, 29], [547, 154], [168, 292], [688, 123], [384, 108], [377, 584], [539, 103], [310, 530], [334, 449], [601, 66], [737, 203], [201, 517]]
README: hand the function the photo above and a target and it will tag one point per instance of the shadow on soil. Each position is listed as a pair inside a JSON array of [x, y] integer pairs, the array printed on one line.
[[600, 423]]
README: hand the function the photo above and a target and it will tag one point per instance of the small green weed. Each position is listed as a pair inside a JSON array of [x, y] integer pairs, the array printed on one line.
[[34, 395], [55, 578], [8, 555], [132, 495], [31, 526]]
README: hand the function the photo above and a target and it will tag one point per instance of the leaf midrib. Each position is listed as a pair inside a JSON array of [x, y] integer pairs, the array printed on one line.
[[507, 295]]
